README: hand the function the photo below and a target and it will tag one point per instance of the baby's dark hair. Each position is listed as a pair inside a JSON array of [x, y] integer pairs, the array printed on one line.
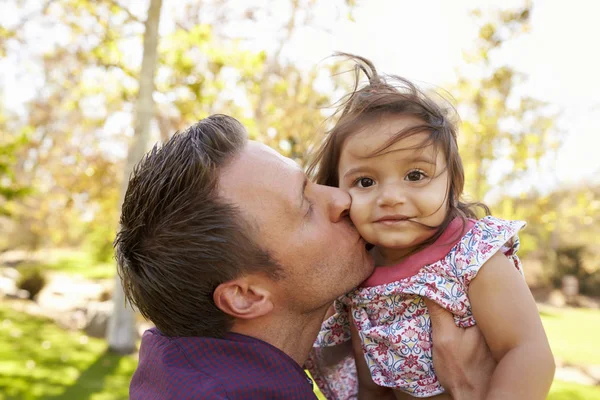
[[389, 95]]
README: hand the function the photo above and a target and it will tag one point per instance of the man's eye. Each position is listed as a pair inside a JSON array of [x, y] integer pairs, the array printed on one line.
[[364, 182], [310, 208], [415, 175]]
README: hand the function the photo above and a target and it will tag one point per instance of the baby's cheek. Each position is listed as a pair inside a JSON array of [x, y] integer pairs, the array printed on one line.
[[359, 214]]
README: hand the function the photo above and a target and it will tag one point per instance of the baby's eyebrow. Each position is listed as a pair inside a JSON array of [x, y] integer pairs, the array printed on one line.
[[355, 170], [423, 159]]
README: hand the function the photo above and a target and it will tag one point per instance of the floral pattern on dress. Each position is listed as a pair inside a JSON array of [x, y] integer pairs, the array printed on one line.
[[393, 321], [334, 371]]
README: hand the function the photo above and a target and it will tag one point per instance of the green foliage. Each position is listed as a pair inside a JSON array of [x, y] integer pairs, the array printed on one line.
[[38, 360], [100, 243], [77, 126], [570, 261], [33, 279], [9, 149], [81, 263], [506, 134], [561, 232], [499, 123], [288, 112], [192, 75]]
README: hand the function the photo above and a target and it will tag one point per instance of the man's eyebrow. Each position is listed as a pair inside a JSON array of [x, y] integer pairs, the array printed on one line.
[[302, 197]]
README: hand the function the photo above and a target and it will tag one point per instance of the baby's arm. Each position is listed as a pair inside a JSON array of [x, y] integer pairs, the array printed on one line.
[[509, 320]]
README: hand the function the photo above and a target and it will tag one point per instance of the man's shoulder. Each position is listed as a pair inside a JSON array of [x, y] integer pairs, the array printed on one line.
[[167, 370], [234, 367]]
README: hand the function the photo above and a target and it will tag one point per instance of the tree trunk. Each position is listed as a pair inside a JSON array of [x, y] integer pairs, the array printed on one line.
[[121, 333]]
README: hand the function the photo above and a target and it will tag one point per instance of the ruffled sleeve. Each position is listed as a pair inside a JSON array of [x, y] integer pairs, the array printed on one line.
[[331, 361], [336, 329], [486, 238]]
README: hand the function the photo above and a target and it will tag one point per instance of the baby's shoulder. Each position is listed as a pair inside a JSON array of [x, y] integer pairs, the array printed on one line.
[[489, 234]]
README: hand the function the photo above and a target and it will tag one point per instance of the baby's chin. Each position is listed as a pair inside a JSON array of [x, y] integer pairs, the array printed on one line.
[[390, 243], [395, 248]]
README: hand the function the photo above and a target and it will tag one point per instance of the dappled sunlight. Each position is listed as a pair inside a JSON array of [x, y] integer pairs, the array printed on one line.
[[40, 360]]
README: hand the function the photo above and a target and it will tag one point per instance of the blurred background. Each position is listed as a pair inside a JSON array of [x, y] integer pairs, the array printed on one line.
[[86, 86]]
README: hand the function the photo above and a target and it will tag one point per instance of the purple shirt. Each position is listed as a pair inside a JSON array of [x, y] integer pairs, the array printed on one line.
[[234, 367]]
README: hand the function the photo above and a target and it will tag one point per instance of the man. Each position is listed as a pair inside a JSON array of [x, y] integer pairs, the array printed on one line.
[[235, 257]]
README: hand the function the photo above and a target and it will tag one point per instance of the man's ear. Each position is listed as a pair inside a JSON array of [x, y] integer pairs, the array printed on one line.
[[243, 298]]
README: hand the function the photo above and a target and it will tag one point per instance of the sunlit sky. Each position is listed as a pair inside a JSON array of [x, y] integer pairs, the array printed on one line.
[[424, 41]]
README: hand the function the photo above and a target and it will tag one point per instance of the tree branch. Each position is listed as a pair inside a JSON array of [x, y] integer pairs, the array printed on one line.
[[131, 15]]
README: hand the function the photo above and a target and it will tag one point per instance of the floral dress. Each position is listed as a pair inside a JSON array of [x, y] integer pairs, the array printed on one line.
[[392, 318]]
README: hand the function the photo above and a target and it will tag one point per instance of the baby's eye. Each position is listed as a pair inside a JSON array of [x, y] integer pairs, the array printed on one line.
[[364, 182], [415, 175]]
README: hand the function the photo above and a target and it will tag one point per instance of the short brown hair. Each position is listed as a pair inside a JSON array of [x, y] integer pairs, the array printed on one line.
[[389, 95], [178, 239]]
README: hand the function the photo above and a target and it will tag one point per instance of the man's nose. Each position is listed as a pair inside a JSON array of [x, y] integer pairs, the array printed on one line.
[[338, 202]]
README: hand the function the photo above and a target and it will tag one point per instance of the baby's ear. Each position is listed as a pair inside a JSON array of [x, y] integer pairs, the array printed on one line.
[[243, 298]]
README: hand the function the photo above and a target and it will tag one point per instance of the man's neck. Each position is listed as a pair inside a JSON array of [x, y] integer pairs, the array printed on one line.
[[294, 335]]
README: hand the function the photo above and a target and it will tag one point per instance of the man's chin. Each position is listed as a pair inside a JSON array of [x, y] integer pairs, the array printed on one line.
[[369, 266], [366, 269]]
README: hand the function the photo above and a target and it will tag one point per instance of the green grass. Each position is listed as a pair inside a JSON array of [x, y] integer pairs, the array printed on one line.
[[573, 334], [76, 263], [39, 360], [572, 391]]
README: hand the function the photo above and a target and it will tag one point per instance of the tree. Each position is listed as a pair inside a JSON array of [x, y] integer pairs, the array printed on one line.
[[9, 189], [121, 335], [77, 86], [278, 103], [499, 124], [562, 225], [85, 86]]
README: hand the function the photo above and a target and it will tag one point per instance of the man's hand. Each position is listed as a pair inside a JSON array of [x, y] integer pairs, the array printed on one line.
[[461, 358]]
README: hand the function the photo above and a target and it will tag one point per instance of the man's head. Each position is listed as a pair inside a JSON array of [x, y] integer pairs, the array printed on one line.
[[216, 230]]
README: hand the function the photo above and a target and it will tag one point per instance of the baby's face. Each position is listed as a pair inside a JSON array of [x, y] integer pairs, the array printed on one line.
[[398, 193]]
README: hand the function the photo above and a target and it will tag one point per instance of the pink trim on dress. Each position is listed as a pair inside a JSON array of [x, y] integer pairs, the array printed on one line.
[[413, 263]]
